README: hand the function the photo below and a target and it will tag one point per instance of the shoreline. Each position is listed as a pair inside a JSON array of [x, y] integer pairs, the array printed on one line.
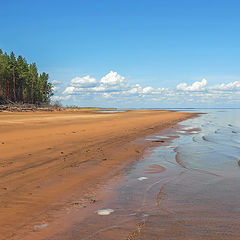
[[47, 156]]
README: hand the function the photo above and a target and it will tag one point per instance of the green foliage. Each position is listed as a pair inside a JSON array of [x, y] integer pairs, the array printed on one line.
[[20, 81]]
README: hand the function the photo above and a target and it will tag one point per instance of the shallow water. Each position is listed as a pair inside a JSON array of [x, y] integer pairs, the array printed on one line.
[[187, 188]]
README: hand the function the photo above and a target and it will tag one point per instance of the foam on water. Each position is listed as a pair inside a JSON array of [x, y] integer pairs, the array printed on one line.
[[142, 178], [105, 212]]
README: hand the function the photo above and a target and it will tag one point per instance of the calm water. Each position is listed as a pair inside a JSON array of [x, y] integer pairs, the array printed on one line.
[[188, 188]]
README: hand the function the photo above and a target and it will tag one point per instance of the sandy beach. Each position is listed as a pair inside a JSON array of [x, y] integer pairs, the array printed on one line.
[[119, 120], [46, 158]]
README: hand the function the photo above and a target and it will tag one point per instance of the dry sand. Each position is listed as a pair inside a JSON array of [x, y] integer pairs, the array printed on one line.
[[46, 157]]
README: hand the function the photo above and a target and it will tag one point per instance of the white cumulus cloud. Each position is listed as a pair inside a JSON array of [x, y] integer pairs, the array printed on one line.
[[227, 86], [85, 81], [112, 78], [196, 86], [69, 90], [148, 90]]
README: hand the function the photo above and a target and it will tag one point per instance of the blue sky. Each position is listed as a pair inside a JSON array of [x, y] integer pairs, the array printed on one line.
[[154, 45]]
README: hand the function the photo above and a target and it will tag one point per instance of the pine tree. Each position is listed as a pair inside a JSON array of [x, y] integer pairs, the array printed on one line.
[[20, 81]]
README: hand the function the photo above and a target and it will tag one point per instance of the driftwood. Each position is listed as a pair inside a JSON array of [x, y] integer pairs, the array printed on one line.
[[9, 106], [27, 108]]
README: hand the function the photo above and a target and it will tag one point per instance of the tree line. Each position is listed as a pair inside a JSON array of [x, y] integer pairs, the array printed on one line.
[[20, 81]]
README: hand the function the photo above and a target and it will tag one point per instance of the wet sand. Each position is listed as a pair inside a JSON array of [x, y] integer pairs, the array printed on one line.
[[48, 160]]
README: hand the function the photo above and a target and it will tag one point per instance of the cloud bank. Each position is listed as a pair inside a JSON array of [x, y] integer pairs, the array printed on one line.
[[116, 90]]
